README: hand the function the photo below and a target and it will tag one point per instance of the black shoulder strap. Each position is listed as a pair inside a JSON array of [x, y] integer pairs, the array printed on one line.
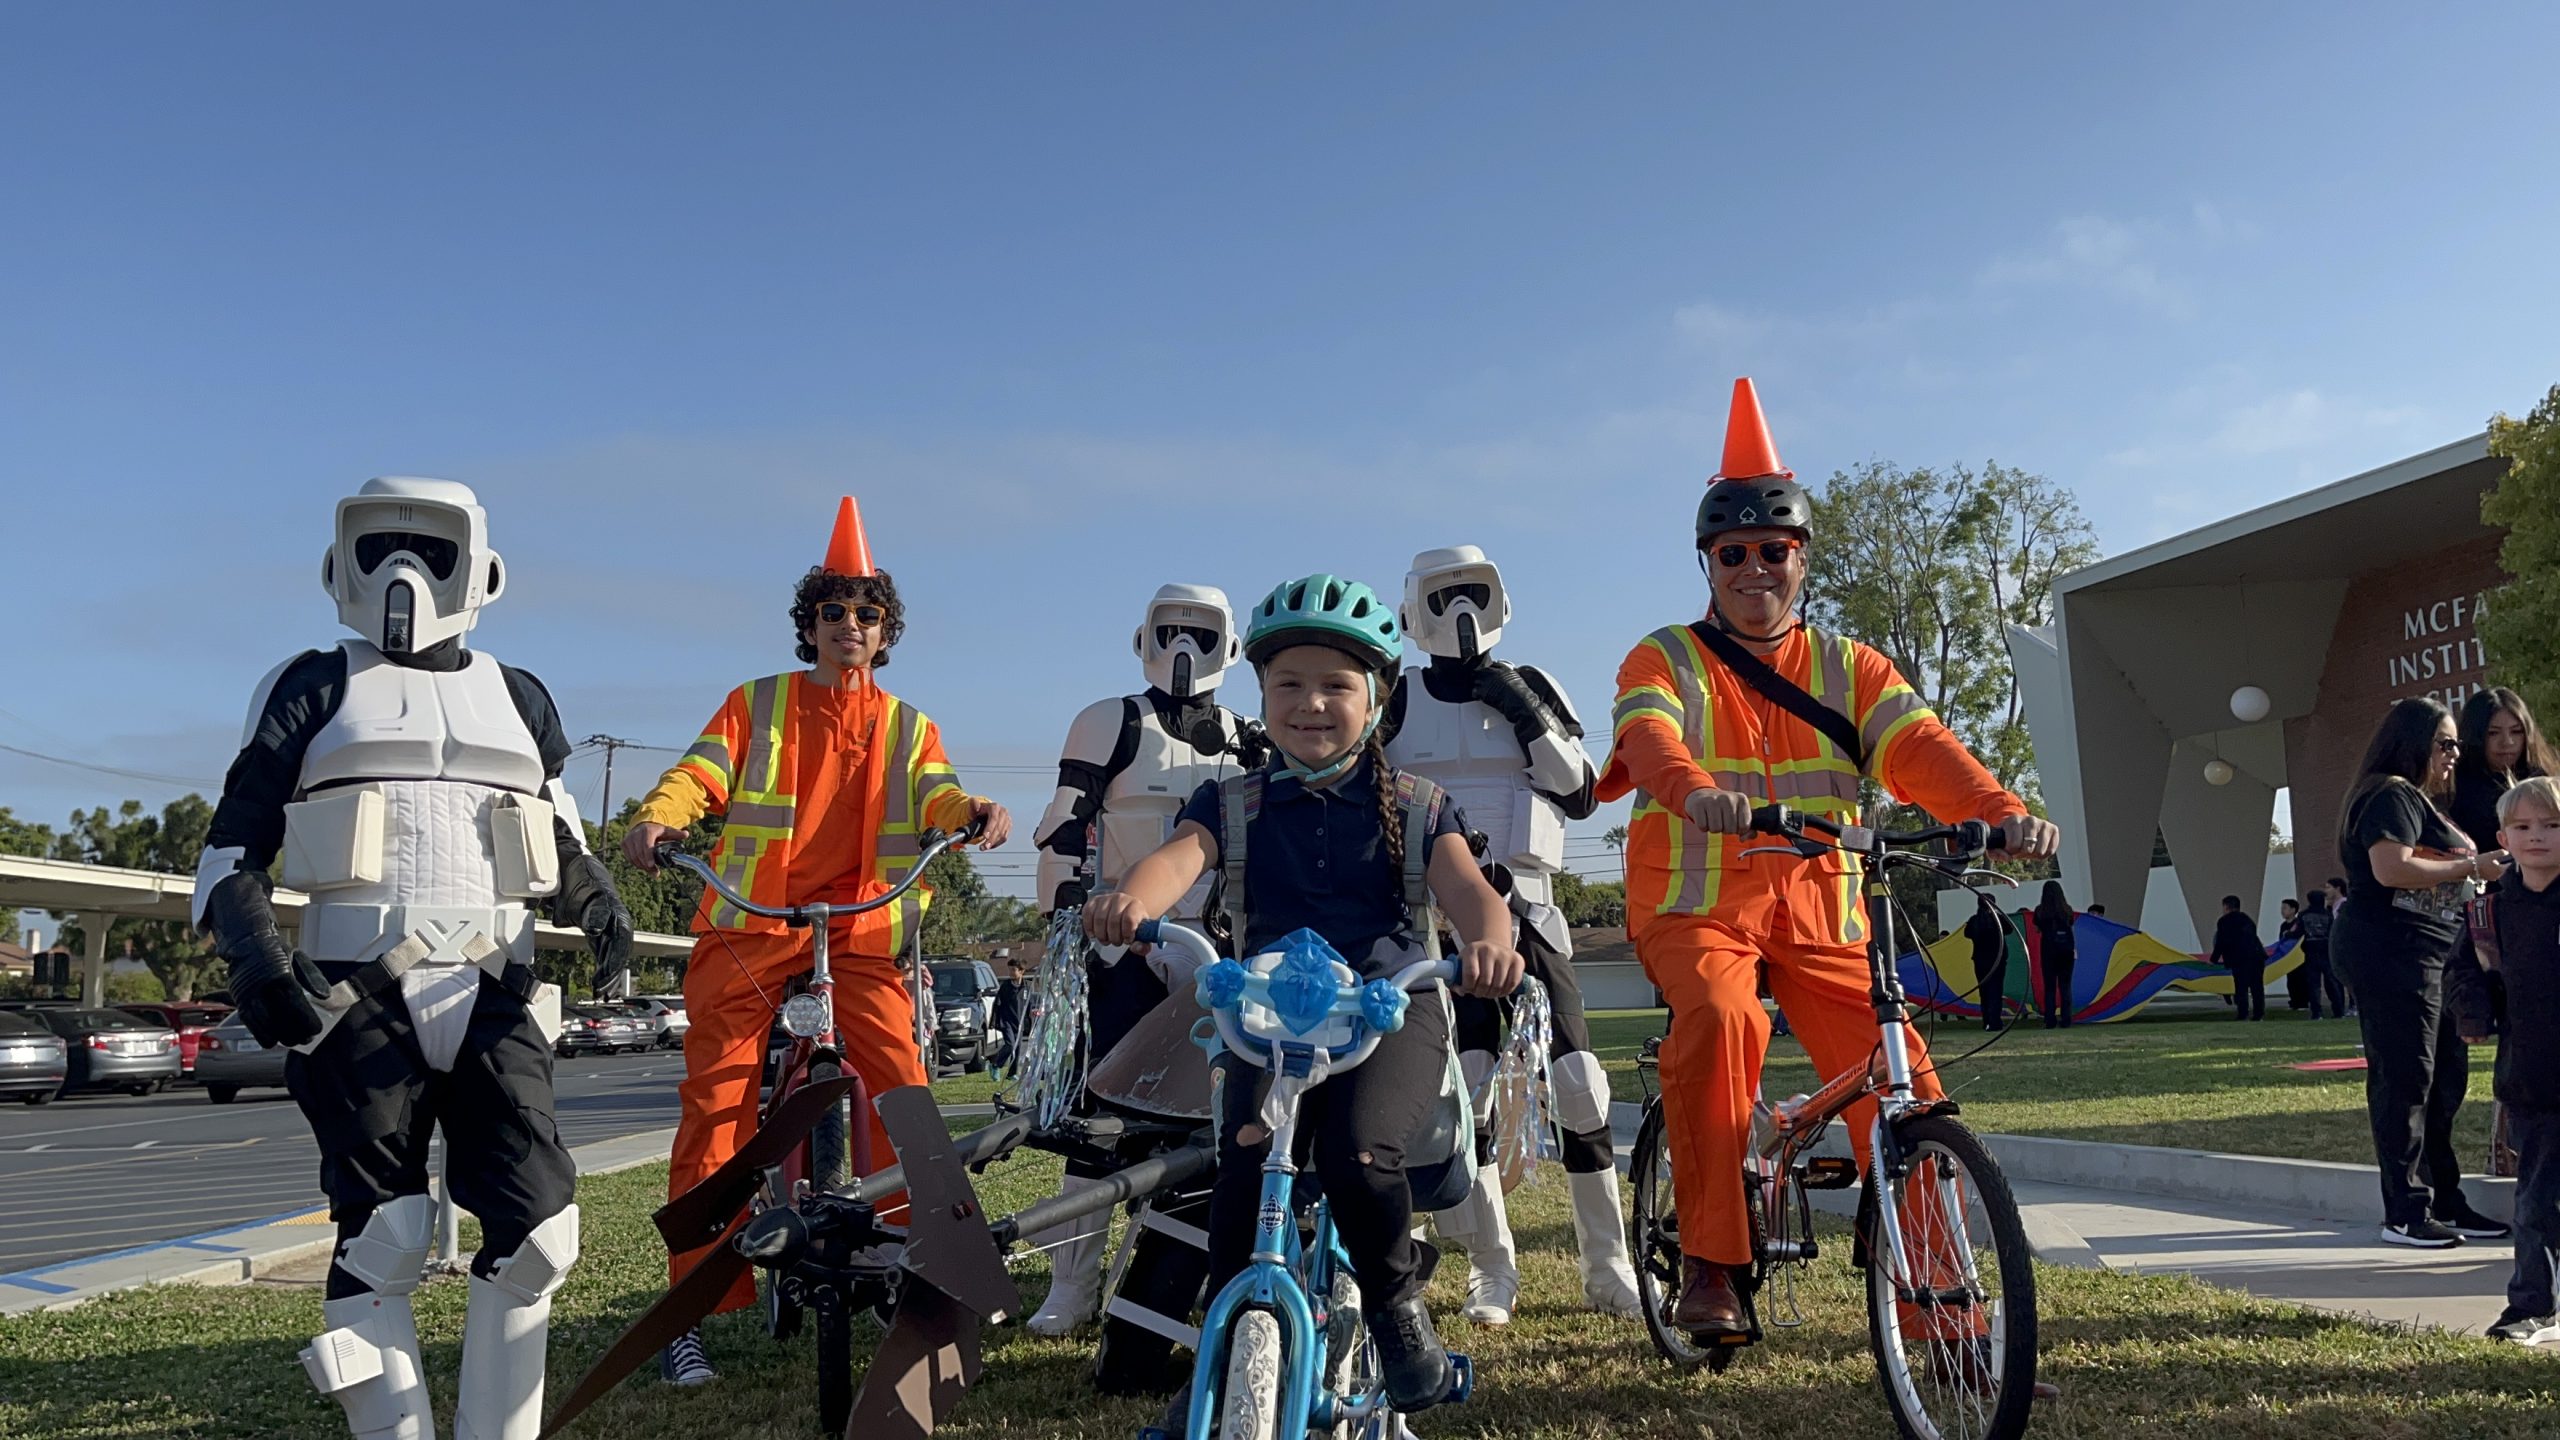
[[1786, 694]]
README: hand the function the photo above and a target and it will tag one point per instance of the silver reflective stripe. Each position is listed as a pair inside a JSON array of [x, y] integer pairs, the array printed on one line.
[[1888, 712], [762, 695], [714, 751], [900, 802], [763, 816]]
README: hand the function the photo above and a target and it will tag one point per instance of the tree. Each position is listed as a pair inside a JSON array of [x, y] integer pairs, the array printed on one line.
[[2520, 628], [965, 912], [20, 837], [662, 903], [1587, 904], [168, 843], [1929, 567]]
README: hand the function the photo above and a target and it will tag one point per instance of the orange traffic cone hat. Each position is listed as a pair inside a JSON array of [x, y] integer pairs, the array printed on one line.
[[1749, 453], [849, 550]]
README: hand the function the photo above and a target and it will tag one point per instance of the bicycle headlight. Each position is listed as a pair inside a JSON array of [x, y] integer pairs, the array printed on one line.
[[804, 1016]]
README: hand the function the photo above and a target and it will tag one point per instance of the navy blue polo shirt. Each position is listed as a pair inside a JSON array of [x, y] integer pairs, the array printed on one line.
[[1318, 859]]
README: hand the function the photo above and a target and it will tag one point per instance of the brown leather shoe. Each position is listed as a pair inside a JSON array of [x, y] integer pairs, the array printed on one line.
[[1708, 1302]]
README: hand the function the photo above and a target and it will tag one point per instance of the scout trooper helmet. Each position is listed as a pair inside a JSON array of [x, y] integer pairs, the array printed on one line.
[[411, 565], [1454, 603], [1188, 641]]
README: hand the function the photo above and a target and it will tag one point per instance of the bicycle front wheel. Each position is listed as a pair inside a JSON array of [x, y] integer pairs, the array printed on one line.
[[1653, 1239], [1951, 1308], [1249, 1406]]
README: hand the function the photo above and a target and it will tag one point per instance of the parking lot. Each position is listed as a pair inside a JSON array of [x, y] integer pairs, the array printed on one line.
[[98, 1172]]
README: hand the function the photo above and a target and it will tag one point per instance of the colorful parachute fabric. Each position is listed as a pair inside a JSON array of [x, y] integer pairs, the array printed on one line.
[[2119, 970]]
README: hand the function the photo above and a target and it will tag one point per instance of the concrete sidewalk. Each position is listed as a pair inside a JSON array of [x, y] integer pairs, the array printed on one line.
[[245, 1252], [2303, 1231]]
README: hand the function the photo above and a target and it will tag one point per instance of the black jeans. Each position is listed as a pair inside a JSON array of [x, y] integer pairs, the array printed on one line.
[[1993, 993], [2417, 1071], [2535, 1133], [2320, 981], [2249, 991], [1353, 1129], [2057, 988], [373, 1106]]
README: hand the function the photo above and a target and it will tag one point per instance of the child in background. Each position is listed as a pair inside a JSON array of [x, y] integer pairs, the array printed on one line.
[[2504, 980]]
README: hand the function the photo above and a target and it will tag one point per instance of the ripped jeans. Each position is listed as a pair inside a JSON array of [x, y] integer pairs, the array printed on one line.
[[1353, 1131]]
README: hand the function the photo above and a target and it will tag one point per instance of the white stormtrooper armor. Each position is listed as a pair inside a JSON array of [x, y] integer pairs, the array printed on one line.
[[1519, 776], [1455, 607], [1128, 767], [410, 787]]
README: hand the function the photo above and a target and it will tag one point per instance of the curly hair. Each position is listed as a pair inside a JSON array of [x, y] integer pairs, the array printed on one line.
[[821, 585]]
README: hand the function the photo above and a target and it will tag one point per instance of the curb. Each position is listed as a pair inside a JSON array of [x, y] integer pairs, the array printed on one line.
[[237, 1254]]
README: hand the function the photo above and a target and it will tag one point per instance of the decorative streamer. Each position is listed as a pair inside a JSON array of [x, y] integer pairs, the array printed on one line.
[[1523, 1111], [1047, 1077]]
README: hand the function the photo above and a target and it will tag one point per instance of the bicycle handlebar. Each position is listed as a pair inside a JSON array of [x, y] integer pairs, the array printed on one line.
[[667, 852], [1968, 839], [1377, 1006]]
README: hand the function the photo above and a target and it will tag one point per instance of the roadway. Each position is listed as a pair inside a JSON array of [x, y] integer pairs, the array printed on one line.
[[92, 1173]]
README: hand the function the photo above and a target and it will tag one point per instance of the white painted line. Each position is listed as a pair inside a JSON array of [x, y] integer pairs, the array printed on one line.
[[144, 1144]]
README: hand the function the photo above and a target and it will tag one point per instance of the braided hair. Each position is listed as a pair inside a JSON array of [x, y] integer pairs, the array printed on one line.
[[1390, 814]]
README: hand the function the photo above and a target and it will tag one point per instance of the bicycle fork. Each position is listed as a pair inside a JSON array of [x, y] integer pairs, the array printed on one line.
[[1270, 1279]]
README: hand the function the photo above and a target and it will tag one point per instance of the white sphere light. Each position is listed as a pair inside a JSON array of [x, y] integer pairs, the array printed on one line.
[[2218, 772], [2249, 704]]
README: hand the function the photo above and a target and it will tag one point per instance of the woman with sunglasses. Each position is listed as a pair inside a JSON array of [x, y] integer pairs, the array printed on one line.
[[2410, 870], [826, 783]]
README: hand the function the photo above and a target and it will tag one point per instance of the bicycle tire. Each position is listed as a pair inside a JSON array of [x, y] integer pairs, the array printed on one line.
[[1953, 1162], [831, 1138], [1653, 1241], [1249, 1405], [835, 1365]]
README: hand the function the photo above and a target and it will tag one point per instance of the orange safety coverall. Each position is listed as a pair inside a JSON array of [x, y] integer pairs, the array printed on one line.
[[1702, 932], [834, 754]]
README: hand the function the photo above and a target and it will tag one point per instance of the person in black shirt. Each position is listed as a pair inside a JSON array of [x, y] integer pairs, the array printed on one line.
[[1990, 961], [2236, 946], [2500, 746], [2055, 925], [2297, 985], [2323, 982], [2410, 870]]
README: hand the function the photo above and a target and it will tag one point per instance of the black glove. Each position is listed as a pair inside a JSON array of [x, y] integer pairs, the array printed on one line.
[[274, 986], [589, 901], [1252, 745], [1501, 687]]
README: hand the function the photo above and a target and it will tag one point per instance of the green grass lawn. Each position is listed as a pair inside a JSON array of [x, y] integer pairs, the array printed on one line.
[[2206, 1083], [2168, 1356]]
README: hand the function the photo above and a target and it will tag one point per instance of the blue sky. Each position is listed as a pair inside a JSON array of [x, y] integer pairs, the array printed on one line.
[[1082, 299]]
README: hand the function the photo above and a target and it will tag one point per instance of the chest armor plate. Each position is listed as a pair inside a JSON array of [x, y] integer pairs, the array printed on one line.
[[1469, 751], [396, 723], [1143, 801]]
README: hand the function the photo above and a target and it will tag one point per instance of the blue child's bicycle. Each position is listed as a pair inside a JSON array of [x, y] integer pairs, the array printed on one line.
[[1283, 1352]]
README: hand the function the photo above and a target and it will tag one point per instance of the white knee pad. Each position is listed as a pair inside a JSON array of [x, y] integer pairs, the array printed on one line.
[[390, 1253], [1582, 1092], [542, 1262], [367, 1361]]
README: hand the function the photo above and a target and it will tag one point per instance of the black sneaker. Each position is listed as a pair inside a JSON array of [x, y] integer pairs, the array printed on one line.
[[1411, 1360], [2470, 1224], [2421, 1235], [684, 1361], [2518, 1328]]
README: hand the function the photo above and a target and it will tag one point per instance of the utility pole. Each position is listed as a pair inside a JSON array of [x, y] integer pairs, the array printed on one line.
[[608, 744]]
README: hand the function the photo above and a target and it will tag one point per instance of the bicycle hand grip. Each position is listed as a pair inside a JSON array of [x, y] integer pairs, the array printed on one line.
[[1150, 931], [666, 851], [1774, 820]]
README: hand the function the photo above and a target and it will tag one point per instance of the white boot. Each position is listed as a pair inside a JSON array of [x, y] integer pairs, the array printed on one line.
[[506, 1338], [1481, 1224], [1075, 1269], [1600, 1227], [368, 1362]]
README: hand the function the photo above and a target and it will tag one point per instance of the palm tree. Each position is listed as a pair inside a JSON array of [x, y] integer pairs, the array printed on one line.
[[1615, 837]]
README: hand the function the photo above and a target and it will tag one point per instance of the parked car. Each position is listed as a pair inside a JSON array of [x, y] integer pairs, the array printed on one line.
[[32, 1059], [111, 1050], [960, 1036], [667, 1012], [970, 985], [605, 1029], [229, 1060], [189, 1018]]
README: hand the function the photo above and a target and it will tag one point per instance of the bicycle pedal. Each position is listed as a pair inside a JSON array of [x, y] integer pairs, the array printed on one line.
[[1829, 1172], [1462, 1381]]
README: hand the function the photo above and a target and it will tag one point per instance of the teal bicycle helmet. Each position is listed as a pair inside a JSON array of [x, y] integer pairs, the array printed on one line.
[[1326, 610]]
